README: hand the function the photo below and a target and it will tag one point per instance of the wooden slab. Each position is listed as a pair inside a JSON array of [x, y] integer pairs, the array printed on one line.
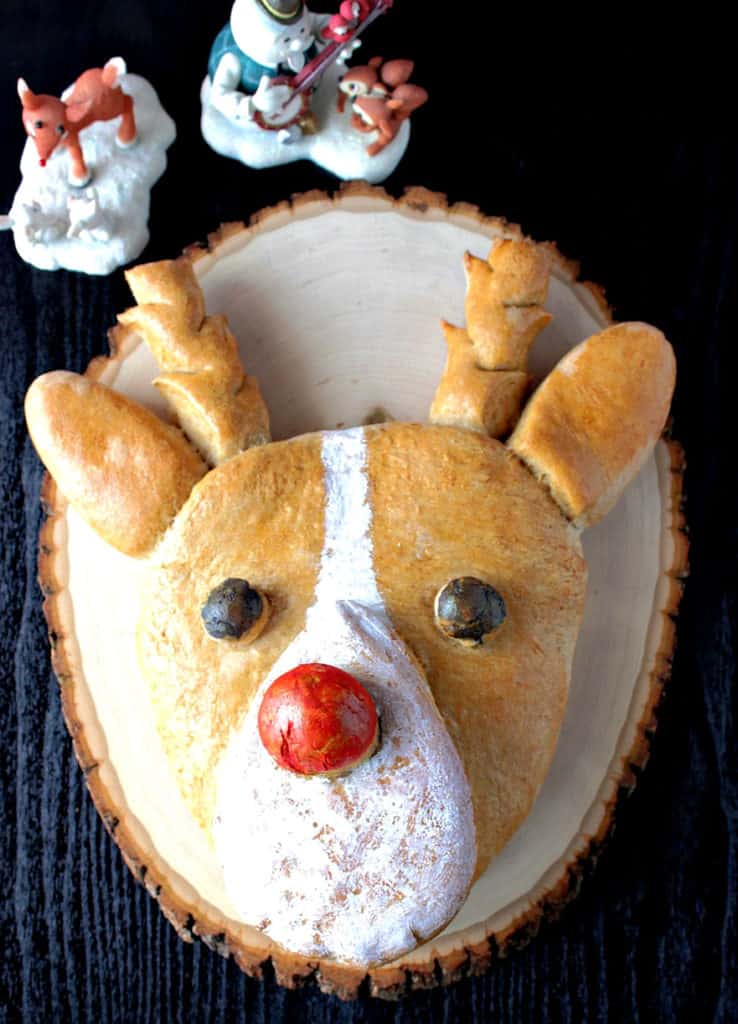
[[336, 304]]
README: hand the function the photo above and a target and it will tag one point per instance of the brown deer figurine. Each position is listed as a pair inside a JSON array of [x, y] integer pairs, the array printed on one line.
[[95, 96], [381, 98]]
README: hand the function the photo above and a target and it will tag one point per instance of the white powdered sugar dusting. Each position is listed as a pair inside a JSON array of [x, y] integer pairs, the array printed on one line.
[[363, 867], [347, 566]]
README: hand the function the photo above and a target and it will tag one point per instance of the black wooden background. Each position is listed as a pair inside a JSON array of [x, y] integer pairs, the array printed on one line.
[[576, 150]]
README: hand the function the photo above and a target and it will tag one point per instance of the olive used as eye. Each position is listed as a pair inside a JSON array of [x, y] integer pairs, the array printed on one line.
[[235, 610], [468, 610]]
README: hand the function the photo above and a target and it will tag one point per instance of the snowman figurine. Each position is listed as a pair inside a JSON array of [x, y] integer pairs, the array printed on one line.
[[252, 59], [252, 110]]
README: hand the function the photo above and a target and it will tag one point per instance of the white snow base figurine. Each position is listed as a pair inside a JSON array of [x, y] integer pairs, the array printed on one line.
[[243, 117], [105, 225]]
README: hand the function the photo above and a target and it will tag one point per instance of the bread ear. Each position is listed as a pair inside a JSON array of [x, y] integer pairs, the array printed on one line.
[[595, 419], [125, 471]]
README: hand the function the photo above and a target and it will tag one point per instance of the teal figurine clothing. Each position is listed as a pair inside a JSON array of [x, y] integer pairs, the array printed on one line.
[[251, 70]]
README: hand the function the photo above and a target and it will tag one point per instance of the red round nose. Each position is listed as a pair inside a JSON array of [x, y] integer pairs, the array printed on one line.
[[318, 720], [42, 161]]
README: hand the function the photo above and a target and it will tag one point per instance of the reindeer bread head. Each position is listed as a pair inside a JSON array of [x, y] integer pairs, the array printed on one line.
[[439, 566]]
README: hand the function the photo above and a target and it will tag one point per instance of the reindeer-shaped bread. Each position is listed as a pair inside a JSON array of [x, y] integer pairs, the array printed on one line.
[[358, 643]]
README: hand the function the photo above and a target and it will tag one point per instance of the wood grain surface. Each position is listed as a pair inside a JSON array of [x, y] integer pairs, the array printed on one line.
[[652, 934]]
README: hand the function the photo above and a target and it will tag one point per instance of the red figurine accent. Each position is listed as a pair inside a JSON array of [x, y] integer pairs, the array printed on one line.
[[365, 80], [381, 98], [95, 96], [350, 14], [312, 71], [355, 10]]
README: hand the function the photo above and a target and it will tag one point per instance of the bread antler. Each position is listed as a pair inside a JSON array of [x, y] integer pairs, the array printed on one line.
[[485, 379], [218, 406]]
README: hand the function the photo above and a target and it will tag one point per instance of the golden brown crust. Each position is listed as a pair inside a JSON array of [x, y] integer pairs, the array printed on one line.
[[219, 408], [504, 300], [465, 507], [478, 512], [125, 472], [470, 955], [243, 520], [486, 401], [596, 417], [221, 421], [484, 381], [474, 955], [169, 283]]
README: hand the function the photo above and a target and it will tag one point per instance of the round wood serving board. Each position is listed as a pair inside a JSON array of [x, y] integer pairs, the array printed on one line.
[[336, 304]]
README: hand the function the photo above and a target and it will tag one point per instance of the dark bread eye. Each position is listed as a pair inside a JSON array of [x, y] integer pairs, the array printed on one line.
[[38, 124], [60, 129], [235, 610], [468, 610]]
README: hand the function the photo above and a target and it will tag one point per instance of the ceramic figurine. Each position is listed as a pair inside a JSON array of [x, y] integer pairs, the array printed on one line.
[[108, 128], [95, 96], [377, 78], [87, 219], [382, 99], [270, 94], [350, 14]]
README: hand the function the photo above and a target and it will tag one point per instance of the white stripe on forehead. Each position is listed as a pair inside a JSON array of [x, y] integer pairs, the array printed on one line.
[[347, 560]]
